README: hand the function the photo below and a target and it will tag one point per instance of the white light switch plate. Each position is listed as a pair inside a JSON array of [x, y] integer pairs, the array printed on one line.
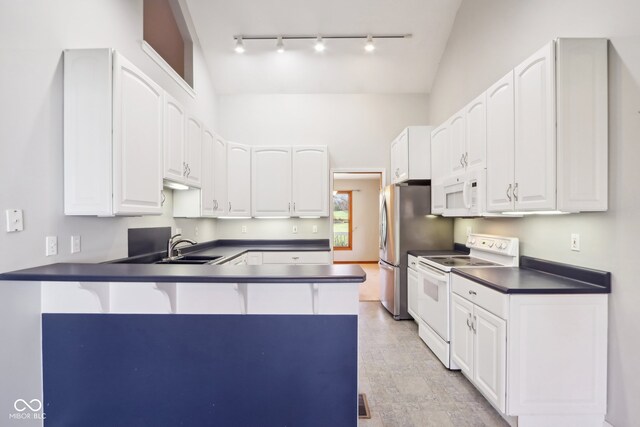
[[315, 228], [15, 220], [575, 242], [294, 229]]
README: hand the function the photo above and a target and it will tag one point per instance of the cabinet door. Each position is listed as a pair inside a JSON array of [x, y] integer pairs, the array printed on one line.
[[500, 145], [439, 167], [310, 181], [412, 292], [238, 180], [206, 189], [476, 133], [271, 181], [535, 132], [219, 176], [137, 141], [489, 371], [174, 134], [462, 334], [400, 156], [193, 154], [457, 135]]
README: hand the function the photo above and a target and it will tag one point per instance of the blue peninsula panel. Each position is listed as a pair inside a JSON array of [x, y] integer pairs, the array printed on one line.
[[199, 370]]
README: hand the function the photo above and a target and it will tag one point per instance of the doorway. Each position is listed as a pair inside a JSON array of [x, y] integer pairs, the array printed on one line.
[[355, 219]]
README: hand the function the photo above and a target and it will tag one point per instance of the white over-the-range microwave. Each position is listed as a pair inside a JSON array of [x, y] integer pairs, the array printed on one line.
[[464, 195]]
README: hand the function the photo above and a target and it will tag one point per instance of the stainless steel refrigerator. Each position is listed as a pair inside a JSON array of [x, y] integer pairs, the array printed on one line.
[[406, 224]]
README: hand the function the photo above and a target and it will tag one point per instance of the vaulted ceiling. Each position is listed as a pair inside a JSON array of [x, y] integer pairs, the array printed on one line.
[[396, 66]]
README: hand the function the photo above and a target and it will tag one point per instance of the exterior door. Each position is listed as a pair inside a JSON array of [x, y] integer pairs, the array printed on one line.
[[500, 145], [137, 140]]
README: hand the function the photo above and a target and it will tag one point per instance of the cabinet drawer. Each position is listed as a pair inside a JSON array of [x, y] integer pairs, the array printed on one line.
[[321, 257], [492, 301]]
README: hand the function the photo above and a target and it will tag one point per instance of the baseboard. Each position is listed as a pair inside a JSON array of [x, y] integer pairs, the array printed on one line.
[[355, 262]]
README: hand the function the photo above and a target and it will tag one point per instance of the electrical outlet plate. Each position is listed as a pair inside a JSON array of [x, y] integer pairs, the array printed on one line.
[[51, 246], [14, 220], [244, 228], [75, 244], [575, 242], [315, 229], [294, 230]]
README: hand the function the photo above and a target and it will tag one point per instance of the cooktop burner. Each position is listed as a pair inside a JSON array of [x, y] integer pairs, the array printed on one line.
[[462, 261]]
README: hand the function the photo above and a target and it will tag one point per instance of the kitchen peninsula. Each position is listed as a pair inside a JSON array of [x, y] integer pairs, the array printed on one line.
[[145, 344]]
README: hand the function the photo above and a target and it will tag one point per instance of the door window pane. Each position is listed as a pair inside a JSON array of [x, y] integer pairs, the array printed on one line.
[[342, 217]]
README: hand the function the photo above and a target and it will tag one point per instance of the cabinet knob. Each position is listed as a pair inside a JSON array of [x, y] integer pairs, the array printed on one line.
[[472, 293]]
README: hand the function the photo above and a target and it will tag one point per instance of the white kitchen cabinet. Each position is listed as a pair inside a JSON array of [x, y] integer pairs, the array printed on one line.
[[193, 152], [515, 349], [219, 176], [440, 150], [238, 180], [310, 181], [174, 143], [535, 132], [500, 145], [411, 155], [547, 131], [271, 181], [412, 292], [305, 257], [458, 144], [113, 130], [207, 203], [476, 133]]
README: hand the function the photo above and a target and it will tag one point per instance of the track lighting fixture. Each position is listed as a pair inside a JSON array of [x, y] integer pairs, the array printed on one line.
[[239, 45], [369, 46], [319, 44]]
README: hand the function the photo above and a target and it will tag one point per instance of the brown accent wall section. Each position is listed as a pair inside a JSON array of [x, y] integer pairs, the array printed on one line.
[[162, 33]]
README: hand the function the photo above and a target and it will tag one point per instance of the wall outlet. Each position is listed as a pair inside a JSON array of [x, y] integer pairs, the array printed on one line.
[[314, 229], [575, 242], [243, 228], [51, 245], [294, 230], [75, 244], [14, 220]]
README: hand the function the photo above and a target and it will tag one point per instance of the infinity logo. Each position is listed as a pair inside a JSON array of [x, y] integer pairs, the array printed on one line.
[[21, 405]]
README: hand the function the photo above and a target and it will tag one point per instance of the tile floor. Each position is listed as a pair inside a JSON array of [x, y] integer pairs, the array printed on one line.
[[406, 385]]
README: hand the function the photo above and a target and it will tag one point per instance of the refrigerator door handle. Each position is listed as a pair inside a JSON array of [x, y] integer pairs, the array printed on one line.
[[385, 266]]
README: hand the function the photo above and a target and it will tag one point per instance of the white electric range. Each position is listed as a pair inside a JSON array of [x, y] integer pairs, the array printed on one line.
[[434, 286]]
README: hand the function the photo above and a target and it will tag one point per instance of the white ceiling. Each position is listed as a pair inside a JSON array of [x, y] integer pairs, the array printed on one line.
[[397, 66]]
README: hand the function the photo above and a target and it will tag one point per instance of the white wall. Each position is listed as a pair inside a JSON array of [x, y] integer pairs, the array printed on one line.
[[366, 213], [32, 37], [357, 128], [491, 36]]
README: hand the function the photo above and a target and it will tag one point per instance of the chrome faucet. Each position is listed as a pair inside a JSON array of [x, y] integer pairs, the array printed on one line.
[[171, 245]]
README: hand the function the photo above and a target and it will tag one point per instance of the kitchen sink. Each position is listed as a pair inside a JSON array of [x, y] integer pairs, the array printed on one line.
[[190, 259]]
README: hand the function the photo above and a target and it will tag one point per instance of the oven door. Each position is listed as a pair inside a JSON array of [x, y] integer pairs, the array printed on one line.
[[433, 299]]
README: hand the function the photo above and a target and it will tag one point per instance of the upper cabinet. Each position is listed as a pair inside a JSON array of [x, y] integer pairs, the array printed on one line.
[[411, 155], [439, 167], [271, 181], [547, 126], [219, 176], [310, 181], [207, 198], [174, 134], [193, 152], [113, 130], [541, 132], [238, 180], [290, 181]]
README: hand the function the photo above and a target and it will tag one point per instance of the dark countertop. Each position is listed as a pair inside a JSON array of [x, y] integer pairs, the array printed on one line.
[[536, 276], [458, 249], [271, 273]]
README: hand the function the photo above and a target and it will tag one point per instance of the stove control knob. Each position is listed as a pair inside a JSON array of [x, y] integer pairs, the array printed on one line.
[[490, 244]]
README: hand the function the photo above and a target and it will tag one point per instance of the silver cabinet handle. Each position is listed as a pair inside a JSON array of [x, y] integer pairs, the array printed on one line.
[[462, 160], [472, 293], [469, 322], [473, 324], [289, 206], [294, 206], [466, 159], [188, 170], [515, 192], [163, 198], [509, 192], [184, 169], [229, 206]]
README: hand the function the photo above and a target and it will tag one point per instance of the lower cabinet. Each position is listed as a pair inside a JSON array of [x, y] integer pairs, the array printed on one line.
[[307, 257], [541, 358], [479, 348], [412, 292]]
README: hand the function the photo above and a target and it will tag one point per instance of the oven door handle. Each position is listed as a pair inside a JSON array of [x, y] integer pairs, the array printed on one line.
[[438, 277]]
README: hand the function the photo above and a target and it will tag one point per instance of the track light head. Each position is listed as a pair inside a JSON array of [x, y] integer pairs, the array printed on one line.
[[239, 45], [280, 45], [319, 46], [369, 46]]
